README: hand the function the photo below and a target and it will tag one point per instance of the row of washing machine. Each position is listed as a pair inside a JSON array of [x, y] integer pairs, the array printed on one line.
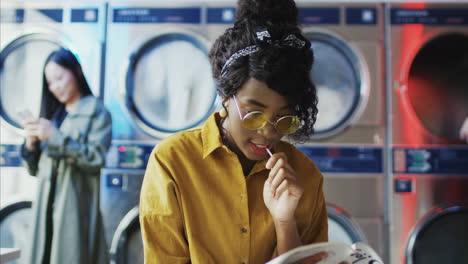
[[392, 86]]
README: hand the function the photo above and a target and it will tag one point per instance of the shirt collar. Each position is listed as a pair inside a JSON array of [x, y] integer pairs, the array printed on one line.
[[259, 166], [211, 135]]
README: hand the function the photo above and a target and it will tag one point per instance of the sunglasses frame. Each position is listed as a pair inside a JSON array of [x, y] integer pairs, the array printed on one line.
[[242, 118]]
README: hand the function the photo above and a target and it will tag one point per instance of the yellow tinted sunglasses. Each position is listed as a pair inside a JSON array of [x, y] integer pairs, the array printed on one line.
[[256, 120]]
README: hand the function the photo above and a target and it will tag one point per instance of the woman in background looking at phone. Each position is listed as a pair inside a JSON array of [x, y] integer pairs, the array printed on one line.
[[65, 148]]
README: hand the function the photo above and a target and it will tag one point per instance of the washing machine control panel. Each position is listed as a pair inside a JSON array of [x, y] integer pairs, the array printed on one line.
[[430, 16], [38, 15], [84, 15], [21, 15], [340, 159], [128, 155], [431, 160], [190, 15], [220, 15], [331, 15], [319, 15], [10, 155]]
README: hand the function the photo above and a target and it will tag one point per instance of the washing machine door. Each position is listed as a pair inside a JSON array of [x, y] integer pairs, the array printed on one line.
[[127, 244], [341, 83], [441, 236], [15, 220], [169, 86], [437, 86], [341, 227], [21, 73]]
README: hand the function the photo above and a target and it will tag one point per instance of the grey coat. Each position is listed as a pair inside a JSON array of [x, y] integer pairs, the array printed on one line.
[[79, 148]]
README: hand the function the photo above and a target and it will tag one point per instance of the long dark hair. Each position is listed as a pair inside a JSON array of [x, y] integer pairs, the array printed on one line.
[[283, 69], [67, 59]]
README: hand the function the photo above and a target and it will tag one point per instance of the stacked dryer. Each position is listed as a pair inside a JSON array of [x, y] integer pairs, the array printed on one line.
[[158, 82], [347, 40], [29, 33], [429, 93]]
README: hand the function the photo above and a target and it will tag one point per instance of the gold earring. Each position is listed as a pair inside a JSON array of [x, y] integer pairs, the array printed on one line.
[[223, 112]]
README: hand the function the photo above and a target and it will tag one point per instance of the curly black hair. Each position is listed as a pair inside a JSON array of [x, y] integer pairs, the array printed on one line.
[[283, 69]]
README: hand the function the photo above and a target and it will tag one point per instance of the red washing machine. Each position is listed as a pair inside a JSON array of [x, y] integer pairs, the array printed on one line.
[[428, 83]]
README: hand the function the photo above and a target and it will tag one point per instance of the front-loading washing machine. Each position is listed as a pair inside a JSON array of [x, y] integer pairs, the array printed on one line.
[[15, 216], [158, 76], [29, 32], [120, 195], [158, 82], [348, 145], [429, 101]]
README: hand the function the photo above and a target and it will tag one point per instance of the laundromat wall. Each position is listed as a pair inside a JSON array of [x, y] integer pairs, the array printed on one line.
[[392, 80]]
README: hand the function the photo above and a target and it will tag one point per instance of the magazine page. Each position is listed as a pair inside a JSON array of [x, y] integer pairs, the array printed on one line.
[[364, 254], [358, 253], [337, 252]]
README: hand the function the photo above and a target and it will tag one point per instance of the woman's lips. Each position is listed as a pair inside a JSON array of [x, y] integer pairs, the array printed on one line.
[[259, 149], [59, 96]]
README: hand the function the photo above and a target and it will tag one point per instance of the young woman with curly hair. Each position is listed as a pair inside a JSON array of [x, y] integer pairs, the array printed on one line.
[[232, 191]]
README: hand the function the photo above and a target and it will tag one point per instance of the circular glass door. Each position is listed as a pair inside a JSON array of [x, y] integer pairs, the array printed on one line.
[[169, 85], [127, 244], [21, 73], [341, 227], [440, 237], [338, 79], [15, 226], [438, 85]]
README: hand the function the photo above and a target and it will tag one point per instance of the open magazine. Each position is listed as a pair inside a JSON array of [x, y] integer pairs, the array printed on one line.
[[357, 253]]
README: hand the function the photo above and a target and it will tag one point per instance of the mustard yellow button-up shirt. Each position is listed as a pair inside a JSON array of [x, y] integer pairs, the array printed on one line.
[[196, 205]]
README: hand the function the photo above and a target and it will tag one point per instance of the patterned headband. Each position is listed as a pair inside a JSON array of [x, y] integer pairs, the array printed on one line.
[[263, 38]]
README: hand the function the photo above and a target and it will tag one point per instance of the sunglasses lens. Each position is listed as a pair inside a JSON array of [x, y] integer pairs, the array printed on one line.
[[287, 124], [254, 120]]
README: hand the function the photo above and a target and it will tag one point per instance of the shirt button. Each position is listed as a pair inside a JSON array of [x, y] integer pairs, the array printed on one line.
[[244, 230]]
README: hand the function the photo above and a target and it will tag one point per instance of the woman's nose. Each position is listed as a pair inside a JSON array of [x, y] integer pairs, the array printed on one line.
[[53, 87], [268, 131]]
